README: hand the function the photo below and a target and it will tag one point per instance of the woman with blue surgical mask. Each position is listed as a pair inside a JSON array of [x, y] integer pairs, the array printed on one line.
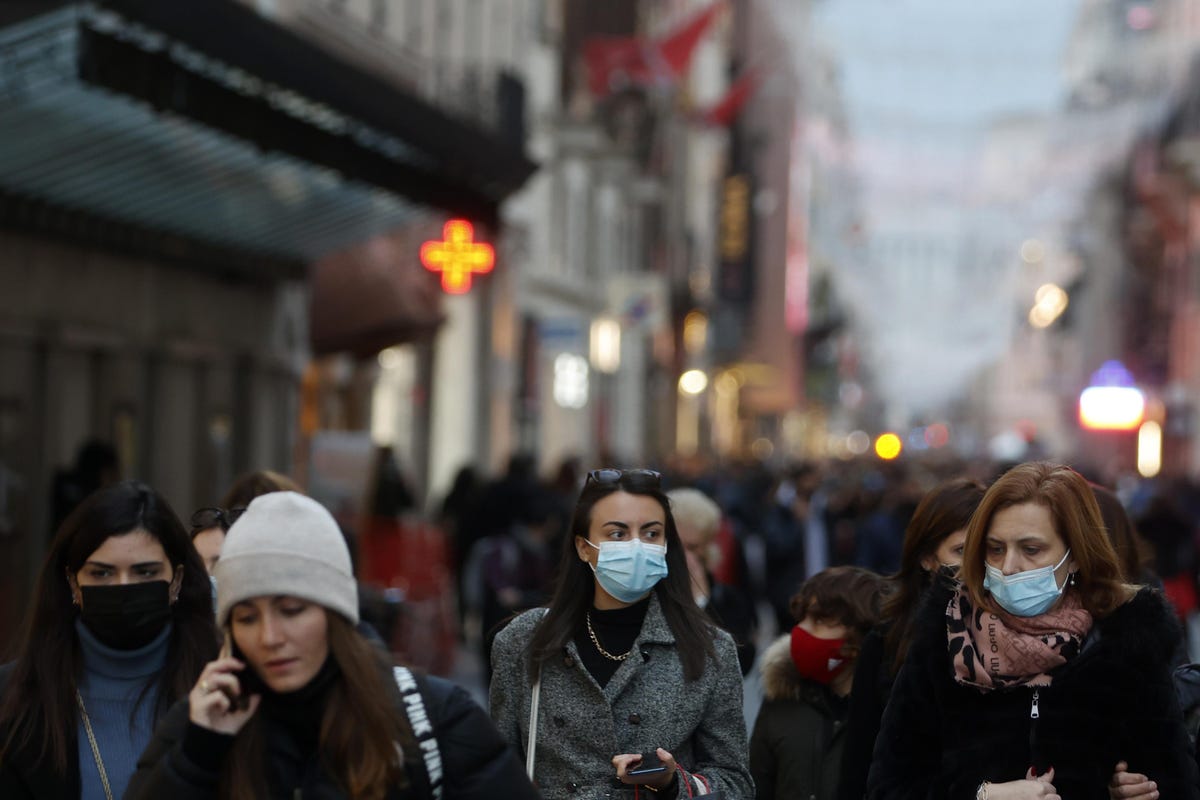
[[1042, 670], [622, 688]]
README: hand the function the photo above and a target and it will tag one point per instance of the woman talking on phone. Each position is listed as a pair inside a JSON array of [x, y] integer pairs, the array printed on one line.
[[299, 704], [1042, 670], [119, 627], [622, 688]]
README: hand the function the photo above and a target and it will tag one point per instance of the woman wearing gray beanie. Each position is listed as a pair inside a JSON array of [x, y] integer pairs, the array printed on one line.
[[300, 704]]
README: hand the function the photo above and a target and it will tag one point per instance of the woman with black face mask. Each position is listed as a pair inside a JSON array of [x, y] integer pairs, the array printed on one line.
[[119, 628]]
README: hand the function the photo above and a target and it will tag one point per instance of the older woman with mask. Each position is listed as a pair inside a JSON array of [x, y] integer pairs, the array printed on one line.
[[698, 519], [1042, 669]]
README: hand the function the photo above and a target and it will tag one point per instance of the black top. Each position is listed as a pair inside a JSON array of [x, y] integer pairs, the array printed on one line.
[[872, 685], [617, 629], [183, 761]]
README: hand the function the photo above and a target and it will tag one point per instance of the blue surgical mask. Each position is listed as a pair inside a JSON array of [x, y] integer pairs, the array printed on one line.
[[1028, 593], [629, 570]]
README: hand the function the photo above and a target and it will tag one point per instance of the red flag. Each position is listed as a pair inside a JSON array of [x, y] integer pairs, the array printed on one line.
[[725, 111], [614, 62], [676, 50]]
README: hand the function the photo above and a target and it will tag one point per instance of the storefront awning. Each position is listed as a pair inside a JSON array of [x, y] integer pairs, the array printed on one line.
[[198, 130]]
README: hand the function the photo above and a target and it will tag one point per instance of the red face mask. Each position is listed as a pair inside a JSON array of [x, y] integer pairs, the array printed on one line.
[[818, 660]]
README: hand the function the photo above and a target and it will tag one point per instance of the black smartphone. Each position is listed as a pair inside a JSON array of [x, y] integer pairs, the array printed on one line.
[[242, 701], [646, 770]]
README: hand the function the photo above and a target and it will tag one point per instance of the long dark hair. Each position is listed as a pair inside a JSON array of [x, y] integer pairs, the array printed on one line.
[[359, 730], [575, 586], [38, 709], [943, 510]]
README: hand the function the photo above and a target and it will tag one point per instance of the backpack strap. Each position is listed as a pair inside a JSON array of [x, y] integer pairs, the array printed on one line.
[[422, 727]]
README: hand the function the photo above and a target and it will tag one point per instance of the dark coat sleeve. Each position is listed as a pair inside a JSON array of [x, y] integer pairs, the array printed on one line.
[[763, 764], [908, 748], [1154, 738], [181, 762], [867, 701], [478, 763]]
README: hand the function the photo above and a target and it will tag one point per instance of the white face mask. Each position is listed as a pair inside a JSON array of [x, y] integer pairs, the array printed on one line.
[[1028, 593], [629, 570]]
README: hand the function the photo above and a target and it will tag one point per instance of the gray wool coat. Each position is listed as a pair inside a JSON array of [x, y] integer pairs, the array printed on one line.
[[645, 705]]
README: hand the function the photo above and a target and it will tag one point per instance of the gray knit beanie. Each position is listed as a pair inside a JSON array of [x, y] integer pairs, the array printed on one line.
[[286, 544]]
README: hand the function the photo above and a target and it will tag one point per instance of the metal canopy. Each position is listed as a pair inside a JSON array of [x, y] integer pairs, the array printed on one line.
[[110, 129]]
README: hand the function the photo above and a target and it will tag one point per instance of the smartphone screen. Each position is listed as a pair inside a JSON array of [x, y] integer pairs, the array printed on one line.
[[649, 768]]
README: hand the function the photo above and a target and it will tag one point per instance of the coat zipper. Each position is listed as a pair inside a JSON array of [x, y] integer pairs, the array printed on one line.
[[1034, 714]]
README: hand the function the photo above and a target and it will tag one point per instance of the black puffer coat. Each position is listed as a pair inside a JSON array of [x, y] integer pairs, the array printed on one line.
[[478, 764], [1113, 701]]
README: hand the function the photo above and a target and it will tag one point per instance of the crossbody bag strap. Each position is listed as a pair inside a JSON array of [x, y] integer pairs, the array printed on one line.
[[422, 727], [531, 745]]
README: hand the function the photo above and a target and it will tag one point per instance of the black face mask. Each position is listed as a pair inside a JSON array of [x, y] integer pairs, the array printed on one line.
[[126, 617]]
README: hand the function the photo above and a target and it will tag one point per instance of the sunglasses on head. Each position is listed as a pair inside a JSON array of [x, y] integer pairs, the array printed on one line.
[[609, 476], [214, 517]]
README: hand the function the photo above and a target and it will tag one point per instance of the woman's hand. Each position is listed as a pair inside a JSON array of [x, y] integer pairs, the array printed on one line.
[[628, 761], [211, 703], [1030, 787], [1126, 785]]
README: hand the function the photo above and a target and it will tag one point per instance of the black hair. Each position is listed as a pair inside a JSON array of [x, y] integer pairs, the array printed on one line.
[[38, 711]]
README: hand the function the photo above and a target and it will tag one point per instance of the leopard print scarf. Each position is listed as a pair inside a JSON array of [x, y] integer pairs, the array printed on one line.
[[994, 651]]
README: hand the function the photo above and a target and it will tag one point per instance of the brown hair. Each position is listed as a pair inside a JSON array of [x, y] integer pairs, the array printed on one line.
[[255, 484], [943, 510], [849, 596], [1124, 538], [359, 733], [1065, 493]]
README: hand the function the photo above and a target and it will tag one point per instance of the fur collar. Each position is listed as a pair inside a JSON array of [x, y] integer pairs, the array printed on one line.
[[781, 681]]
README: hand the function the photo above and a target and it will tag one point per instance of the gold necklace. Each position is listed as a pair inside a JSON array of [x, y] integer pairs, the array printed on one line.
[[596, 642], [87, 726]]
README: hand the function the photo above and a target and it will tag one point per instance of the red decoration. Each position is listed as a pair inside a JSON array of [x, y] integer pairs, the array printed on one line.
[[614, 62], [726, 110], [458, 257]]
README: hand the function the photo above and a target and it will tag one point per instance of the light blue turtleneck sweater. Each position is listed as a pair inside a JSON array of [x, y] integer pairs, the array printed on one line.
[[110, 685]]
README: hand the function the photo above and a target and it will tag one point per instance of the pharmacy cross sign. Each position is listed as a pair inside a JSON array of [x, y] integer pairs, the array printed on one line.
[[458, 257]]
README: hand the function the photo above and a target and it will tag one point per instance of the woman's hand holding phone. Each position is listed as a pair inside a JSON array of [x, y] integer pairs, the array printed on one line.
[[216, 701], [655, 770]]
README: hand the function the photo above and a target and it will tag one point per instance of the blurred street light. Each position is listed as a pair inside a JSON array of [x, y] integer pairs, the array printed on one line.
[[693, 382], [1149, 449], [888, 446], [605, 350], [1032, 251], [1049, 302], [1111, 402]]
